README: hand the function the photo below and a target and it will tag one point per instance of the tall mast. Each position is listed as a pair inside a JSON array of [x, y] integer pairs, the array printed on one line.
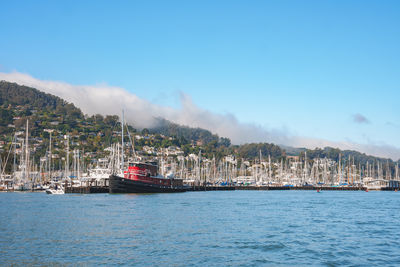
[[15, 155], [1, 168], [348, 170], [269, 168], [74, 163], [67, 159], [122, 142], [340, 169], [215, 169], [78, 165], [182, 166], [373, 169], [305, 166], [199, 165], [26, 150], [388, 173], [261, 175], [354, 170], [50, 156], [379, 171]]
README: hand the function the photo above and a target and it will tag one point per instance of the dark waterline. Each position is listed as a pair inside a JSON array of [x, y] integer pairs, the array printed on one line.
[[201, 228]]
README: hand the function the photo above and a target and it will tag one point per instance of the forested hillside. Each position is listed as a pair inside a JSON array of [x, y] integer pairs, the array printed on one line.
[[346, 155], [47, 113], [92, 134]]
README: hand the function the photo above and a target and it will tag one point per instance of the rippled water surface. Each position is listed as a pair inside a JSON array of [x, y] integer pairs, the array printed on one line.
[[255, 228]]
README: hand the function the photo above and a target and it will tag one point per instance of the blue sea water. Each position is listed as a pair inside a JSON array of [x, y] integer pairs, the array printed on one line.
[[232, 228]]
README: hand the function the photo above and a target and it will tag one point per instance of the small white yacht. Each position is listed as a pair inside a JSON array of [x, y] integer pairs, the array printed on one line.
[[55, 190]]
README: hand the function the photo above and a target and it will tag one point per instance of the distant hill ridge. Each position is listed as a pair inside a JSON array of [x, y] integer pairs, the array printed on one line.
[[30, 100], [14, 94], [33, 99]]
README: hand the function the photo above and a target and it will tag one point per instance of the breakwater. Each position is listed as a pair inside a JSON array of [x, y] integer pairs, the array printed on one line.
[[92, 189]]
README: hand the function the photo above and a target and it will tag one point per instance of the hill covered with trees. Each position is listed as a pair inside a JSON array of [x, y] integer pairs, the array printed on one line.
[[93, 134]]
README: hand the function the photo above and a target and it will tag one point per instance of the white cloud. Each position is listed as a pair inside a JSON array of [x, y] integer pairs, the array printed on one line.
[[109, 100]]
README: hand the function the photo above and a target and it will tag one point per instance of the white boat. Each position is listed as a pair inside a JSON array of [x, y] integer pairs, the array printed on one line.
[[53, 191], [374, 184]]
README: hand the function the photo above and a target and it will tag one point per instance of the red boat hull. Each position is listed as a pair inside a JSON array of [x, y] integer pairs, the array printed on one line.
[[125, 185]]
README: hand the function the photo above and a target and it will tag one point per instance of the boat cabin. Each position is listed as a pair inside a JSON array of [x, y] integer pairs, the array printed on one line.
[[143, 168]]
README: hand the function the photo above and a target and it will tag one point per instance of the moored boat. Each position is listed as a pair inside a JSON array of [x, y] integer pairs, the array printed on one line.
[[143, 177], [52, 191], [55, 189]]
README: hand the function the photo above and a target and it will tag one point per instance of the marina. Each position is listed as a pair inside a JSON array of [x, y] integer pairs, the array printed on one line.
[[53, 160], [200, 133], [187, 173]]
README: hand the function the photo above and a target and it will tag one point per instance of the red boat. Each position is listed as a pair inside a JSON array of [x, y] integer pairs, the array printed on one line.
[[143, 177]]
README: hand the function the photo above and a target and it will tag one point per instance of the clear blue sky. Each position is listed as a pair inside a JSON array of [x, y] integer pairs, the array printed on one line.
[[309, 66]]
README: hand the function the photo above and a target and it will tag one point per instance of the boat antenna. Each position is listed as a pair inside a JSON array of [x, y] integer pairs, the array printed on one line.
[[131, 139]]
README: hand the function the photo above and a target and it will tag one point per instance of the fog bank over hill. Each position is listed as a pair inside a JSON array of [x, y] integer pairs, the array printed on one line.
[[110, 100]]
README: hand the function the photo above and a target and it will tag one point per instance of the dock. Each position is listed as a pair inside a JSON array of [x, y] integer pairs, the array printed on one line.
[[87, 190], [92, 187], [323, 188], [211, 188]]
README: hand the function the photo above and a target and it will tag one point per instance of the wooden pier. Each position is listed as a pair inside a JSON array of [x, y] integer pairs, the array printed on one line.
[[86, 190], [90, 187], [273, 188], [211, 188], [94, 187], [323, 188]]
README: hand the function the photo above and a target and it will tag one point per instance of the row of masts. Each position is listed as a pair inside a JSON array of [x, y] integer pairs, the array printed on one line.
[[308, 172], [28, 172], [199, 170]]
